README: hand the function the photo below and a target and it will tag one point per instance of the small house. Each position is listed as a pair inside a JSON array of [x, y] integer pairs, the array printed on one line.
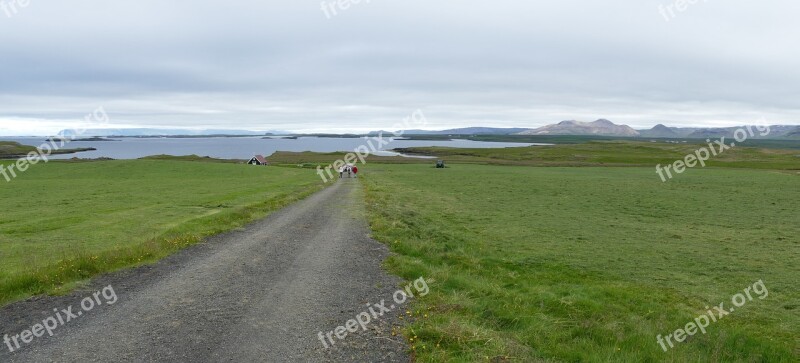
[[258, 160]]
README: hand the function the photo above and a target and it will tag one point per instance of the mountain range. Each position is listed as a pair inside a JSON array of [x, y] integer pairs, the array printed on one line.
[[601, 127], [775, 132]]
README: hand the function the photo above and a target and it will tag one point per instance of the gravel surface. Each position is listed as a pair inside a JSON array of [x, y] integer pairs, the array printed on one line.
[[258, 294]]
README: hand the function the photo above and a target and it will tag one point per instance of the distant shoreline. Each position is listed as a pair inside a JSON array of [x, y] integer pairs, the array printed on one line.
[[88, 139]]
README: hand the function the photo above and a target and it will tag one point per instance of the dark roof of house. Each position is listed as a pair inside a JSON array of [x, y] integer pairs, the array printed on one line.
[[260, 159]]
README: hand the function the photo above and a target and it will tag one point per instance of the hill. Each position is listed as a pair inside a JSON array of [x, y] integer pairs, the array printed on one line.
[[466, 131], [600, 127], [659, 131], [793, 134]]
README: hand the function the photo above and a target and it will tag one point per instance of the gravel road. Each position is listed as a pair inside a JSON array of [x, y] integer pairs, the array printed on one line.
[[258, 294]]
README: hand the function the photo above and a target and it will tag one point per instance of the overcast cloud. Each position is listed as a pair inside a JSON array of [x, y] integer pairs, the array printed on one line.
[[285, 65]]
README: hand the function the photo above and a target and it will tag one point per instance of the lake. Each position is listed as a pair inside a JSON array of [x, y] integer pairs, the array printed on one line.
[[241, 147]]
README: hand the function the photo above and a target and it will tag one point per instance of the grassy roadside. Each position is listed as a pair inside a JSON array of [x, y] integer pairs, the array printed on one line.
[[309, 159], [591, 264], [62, 222]]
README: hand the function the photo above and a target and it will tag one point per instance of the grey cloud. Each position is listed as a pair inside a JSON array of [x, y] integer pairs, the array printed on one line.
[[284, 65]]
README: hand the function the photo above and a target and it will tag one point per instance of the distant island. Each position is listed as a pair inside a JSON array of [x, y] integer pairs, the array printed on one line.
[[210, 136], [153, 132], [87, 139], [13, 150]]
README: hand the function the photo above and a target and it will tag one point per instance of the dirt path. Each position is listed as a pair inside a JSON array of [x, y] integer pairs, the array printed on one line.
[[260, 294]]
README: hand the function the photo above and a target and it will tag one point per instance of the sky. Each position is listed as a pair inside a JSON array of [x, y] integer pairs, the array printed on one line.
[[355, 66]]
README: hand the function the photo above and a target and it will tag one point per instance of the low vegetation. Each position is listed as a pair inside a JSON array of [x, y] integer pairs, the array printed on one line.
[[65, 222], [588, 153], [196, 158], [587, 259], [11, 149], [312, 159], [615, 153], [591, 264]]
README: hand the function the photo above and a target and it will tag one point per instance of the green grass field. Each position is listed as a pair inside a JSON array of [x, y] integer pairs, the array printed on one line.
[[582, 260], [618, 153], [591, 264], [64, 222], [586, 153]]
